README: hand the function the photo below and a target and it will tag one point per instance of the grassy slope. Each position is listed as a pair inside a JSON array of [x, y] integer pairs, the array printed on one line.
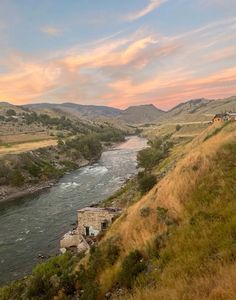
[[198, 260]]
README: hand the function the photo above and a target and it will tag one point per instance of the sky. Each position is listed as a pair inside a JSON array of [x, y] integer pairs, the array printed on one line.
[[117, 53]]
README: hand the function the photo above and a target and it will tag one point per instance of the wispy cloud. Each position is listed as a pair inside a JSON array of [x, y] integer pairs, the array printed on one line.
[[153, 4], [51, 31], [130, 68]]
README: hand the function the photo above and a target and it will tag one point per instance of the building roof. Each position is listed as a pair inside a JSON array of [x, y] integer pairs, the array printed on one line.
[[98, 209]]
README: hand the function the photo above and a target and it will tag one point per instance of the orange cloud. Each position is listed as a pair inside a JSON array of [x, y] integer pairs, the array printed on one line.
[[175, 87], [139, 68], [31, 80]]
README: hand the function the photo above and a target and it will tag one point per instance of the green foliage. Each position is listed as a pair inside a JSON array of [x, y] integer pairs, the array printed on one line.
[[113, 252], [144, 211], [11, 112], [155, 143], [109, 134], [149, 157], [132, 266], [60, 143], [69, 165], [46, 280], [146, 182], [178, 127], [208, 236], [162, 213], [16, 178], [15, 290]]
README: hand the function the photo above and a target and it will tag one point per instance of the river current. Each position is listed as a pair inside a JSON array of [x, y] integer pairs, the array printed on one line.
[[34, 225]]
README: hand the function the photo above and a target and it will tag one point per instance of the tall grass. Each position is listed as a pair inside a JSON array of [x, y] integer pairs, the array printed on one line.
[[199, 260]]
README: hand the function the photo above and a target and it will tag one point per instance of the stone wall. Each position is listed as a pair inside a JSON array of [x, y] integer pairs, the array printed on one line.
[[95, 219]]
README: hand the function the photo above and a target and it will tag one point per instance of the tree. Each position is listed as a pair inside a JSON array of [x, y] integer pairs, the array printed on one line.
[[16, 178], [10, 112], [149, 157], [146, 183]]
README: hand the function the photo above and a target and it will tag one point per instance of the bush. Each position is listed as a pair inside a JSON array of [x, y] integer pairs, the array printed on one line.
[[16, 178], [132, 266], [144, 211], [113, 252], [146, 183], [50, 277], [162, 213], [149, 157], [10, 112], [178, 127]]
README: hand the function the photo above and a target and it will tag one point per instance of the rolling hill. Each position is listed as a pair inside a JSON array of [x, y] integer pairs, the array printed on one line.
[[78, 110], [196, 110], [142, 114], [200, 109]]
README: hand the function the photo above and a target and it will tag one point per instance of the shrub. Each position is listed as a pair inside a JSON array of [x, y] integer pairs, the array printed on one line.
[[162, 213], [113, 252], [178, 127], [50, 277], [10, 112], [132, 266], [144, 211], [149, 157], [16, 178], [146, 183]]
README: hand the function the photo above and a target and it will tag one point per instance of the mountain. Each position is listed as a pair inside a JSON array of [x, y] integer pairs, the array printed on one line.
[[78, 110], [200, 109], [196, 110], [133, 114], [142, 114]]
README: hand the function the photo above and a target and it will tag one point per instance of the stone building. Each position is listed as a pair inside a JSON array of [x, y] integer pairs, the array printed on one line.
[[92, 220]]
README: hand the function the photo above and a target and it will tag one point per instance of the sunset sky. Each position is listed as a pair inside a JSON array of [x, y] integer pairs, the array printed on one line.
[[117, 53]]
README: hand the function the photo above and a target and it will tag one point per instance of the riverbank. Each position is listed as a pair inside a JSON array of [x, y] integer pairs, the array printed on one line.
[[35, 224], [11, 193]]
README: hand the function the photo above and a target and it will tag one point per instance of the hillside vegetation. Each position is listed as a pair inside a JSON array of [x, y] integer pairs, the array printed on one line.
[[178, 241]]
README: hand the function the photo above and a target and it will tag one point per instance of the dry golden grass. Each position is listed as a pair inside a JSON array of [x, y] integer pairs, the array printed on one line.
[[218, 286], [172, 193], [25, 147], [24, 137]]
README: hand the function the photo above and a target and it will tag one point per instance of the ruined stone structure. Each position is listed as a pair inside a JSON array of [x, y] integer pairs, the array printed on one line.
[[92, 220]]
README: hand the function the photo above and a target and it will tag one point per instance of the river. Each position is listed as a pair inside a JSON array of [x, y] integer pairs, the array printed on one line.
[[34, 225]]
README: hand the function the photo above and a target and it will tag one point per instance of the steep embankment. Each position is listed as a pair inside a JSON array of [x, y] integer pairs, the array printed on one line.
[[196, 258]]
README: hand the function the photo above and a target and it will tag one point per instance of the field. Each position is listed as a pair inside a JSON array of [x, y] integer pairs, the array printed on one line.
[[14, 148], [187, 130]]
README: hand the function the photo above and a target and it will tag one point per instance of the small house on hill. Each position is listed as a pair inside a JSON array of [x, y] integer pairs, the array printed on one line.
[[219, 118], [232, 116], [223, 117]]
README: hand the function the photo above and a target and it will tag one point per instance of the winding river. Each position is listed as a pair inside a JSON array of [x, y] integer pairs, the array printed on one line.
[[35, 224]]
